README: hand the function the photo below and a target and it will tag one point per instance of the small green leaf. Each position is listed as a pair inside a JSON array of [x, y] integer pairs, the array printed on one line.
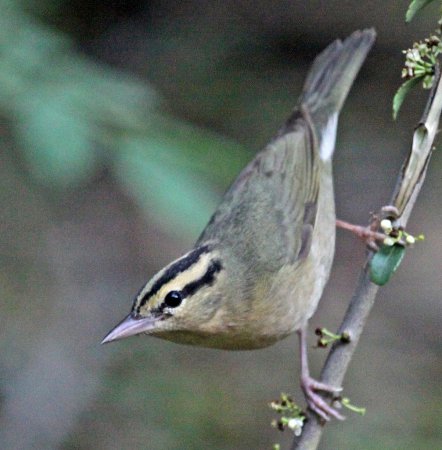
[[415, 6], [401, 93], [385, 263]]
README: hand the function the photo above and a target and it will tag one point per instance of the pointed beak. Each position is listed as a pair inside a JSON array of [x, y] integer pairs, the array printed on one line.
[[130, 326]]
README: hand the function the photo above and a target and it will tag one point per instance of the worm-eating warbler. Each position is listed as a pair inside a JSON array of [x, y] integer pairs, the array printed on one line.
[[259, 268]]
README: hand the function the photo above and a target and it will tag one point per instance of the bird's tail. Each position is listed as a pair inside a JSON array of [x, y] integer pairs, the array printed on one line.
[[332, 75]]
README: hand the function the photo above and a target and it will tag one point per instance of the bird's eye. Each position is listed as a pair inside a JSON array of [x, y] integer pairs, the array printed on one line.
[[173, 299]]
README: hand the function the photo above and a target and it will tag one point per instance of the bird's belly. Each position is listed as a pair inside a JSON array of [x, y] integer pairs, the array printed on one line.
[[231, 340]]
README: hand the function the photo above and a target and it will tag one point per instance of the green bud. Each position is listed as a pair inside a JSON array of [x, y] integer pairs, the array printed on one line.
[[389, 242], [410, 239]]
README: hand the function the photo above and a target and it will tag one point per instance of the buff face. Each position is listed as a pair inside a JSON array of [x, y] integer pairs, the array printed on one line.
[[177, 282], [163, 302]]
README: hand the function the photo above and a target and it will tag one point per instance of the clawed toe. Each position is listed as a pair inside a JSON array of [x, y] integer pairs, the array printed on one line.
[[367, 234], [309, 385], [315, 402], [318, 386], [390, 211]]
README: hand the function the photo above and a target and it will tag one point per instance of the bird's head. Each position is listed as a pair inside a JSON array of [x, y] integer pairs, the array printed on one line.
[[179, 299]]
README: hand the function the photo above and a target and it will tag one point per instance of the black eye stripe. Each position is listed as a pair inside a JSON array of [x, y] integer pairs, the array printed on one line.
[[180, 266], [206, 280]]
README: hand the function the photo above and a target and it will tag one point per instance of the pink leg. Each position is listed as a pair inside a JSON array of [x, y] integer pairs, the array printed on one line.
[[309, 385], [369, 235]]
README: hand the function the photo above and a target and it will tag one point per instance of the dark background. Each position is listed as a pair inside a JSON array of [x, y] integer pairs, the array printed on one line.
[[121, 125]]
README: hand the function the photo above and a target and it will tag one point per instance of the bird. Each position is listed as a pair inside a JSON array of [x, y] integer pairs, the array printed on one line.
[[259, 268]]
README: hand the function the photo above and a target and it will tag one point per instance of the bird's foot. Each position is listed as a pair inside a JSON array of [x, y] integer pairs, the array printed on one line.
[[388, 212], [369, 234], [316, 402]]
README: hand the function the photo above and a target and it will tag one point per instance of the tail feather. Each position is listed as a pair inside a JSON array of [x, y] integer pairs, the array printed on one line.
[[332, 75]]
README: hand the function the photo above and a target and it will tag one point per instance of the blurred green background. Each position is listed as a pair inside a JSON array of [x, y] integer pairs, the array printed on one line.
[[121, 123]]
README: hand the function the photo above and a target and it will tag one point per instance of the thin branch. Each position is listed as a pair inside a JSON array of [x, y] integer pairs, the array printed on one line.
[[410, 180]]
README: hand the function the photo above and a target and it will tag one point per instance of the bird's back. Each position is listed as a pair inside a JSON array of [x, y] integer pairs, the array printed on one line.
[[277, 220]]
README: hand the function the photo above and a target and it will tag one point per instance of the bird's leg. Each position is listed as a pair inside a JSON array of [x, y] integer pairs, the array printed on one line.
[[309, 385], [368, 234]]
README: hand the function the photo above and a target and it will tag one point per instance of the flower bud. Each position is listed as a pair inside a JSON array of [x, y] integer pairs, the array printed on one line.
[[410, 239], [386, 225], [389, 242]]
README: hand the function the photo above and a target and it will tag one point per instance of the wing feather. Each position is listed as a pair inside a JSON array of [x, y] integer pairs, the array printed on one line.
[[269, 212]]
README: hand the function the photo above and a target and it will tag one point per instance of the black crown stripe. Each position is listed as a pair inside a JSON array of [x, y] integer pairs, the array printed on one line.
[[180, 266]]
